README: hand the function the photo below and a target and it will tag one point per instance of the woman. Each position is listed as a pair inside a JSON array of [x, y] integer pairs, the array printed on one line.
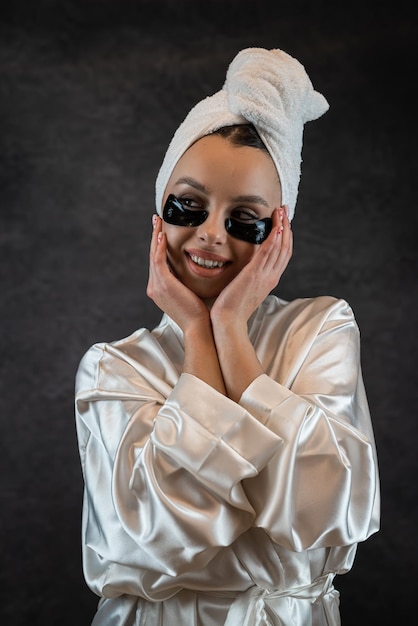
[[228, 455]]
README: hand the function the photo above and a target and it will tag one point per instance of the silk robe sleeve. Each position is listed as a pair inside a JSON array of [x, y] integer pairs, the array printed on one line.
[[164, 515], [175, 472], [322, 487]]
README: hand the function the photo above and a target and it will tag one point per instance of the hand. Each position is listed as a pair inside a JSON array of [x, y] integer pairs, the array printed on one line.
[[187, 310], [237, 302], [168, 293]]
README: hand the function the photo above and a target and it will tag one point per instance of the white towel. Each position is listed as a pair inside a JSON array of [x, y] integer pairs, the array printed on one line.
[[271, 90]]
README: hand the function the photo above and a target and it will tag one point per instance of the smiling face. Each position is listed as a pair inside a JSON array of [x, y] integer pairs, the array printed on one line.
[[226, 181]]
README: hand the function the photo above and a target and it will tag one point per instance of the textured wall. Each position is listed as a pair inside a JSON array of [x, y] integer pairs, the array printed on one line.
[[91, 93]]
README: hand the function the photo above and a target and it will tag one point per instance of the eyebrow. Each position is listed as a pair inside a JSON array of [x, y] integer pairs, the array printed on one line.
[[188, 180], [252, 199]]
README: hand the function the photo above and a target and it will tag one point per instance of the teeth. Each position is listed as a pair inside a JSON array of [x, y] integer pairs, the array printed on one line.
[[205, 263]]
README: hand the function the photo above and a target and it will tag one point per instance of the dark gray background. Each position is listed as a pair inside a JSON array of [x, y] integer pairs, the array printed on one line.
[[91, 93]]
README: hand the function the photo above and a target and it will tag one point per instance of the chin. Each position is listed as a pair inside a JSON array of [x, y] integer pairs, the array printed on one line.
[[205, 293], [208, 296]]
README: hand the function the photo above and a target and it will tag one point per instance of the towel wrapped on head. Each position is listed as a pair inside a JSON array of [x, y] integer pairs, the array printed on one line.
[[269, 89]]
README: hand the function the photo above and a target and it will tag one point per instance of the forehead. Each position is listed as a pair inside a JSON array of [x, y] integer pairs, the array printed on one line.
[[217, 163]]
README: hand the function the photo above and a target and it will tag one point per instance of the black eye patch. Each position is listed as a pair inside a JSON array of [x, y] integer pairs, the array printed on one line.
[[176, 213], [256, 232]]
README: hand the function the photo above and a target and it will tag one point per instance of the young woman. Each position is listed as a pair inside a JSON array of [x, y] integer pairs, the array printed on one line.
[[228, 455]]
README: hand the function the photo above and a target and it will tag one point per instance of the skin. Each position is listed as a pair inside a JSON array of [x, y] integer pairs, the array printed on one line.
[[212, 306]]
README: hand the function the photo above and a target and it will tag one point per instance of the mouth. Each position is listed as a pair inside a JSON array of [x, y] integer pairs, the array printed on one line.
[[204, 261], [208, 263]]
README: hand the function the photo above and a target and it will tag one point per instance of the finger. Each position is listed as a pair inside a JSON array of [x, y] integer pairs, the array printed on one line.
[[276, 226], [270, 248], [286, 245], [287, 236], [160, 254], [278, 249], [156, 229]]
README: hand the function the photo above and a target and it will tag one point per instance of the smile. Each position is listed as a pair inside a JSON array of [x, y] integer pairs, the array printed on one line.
[[205, 262]]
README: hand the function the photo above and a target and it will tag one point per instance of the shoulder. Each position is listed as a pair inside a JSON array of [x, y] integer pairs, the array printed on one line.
[[96, 350], [138, 360], [314, 312], [318, 305], [100, 354]]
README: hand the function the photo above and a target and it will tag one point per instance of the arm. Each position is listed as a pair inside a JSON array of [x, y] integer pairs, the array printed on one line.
[[322, 488], [234, 306], [187, 310], [184, 457], [151, 518], [190, 460], [320, 482]]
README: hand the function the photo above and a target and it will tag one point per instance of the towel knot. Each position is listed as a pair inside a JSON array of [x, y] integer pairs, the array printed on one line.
[[269, 89]]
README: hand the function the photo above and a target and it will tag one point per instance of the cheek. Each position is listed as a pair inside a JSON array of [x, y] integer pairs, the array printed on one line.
[[243, 251], [172, 234], [176, 237]]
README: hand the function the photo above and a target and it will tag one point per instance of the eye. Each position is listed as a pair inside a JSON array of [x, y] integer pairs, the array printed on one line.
[[191, 203], [244, 215]]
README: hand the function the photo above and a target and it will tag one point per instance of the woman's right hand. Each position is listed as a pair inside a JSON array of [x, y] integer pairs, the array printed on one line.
[[188, 311], [164, 288]]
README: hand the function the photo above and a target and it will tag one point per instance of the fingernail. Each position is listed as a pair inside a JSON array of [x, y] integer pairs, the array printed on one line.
[[154, 221], [159, 237]]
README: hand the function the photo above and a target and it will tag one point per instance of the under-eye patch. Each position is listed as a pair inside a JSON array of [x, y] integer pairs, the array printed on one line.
[[256, 232], [176, 213]]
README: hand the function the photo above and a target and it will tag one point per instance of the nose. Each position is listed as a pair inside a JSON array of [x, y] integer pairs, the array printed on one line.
[[212, 231]]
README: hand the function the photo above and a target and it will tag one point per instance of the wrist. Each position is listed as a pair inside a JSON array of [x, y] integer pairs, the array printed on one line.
[[198, 329], [228, 325]]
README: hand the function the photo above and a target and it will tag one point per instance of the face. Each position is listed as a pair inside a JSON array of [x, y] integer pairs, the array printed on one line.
[[226, 181]]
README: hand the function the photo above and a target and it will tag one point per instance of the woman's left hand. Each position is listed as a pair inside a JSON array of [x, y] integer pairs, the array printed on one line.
[[263, 272]]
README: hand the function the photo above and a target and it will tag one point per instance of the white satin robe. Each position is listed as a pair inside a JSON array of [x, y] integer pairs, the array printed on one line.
[[201, 511]]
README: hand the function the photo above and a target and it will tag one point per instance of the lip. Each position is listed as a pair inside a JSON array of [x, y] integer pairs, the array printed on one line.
[[206, 272], [205, 254]]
